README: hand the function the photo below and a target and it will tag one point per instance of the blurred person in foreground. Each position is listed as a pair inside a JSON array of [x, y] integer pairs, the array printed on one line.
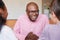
[[52, 31], [6, 33]]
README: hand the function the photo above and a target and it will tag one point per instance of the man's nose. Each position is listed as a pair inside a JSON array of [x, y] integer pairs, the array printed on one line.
[[34, 14]]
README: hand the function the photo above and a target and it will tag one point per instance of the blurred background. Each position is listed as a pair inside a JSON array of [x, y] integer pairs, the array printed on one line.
[[17, 7]]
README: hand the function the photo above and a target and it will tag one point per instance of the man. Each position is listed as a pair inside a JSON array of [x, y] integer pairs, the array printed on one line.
[[6, 33], [52, 31], [32, 21]]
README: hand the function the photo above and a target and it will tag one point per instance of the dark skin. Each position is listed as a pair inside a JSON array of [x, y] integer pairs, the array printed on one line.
[[31, 36], [32, 11], [3, 17], [3, 13]]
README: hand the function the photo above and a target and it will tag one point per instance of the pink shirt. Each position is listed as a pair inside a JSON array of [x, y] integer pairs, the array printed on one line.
[[23, 26]]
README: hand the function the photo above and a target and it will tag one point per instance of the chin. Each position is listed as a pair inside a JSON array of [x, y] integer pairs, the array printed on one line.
[[33, 20]]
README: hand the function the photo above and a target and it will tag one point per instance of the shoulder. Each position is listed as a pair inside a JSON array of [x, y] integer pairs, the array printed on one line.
[[8, 33], [44, 18], [49, 27], [6, 29], [22, 16], [43, 15]]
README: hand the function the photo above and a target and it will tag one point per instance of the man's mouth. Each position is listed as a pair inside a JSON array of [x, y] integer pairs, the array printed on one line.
[[34, 17]]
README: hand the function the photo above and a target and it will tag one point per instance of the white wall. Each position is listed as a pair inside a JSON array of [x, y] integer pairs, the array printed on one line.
[[17, 7]]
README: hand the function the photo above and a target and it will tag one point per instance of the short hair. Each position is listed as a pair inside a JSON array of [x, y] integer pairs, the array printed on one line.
[[55, 7]]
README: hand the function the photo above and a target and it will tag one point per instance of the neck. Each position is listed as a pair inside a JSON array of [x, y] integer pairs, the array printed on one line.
[[57, 21]]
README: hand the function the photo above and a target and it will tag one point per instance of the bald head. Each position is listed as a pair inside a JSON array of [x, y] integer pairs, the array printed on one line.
[[32, 4], [32, 11]]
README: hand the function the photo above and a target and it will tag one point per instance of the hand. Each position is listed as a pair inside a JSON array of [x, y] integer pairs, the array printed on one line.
[[31, 36]]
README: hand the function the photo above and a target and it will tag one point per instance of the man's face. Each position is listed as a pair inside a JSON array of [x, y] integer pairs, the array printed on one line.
[[32, 12]]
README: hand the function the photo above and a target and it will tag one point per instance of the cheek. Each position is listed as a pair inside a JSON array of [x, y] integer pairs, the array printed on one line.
[[5, 14], [33, 15], [52, 18], [37, 15], [30, 15]]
